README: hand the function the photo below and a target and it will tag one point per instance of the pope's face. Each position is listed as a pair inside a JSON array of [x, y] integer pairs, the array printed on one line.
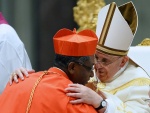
[[106, 66]]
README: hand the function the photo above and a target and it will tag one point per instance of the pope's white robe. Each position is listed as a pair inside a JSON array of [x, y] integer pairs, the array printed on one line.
[[129, 92]]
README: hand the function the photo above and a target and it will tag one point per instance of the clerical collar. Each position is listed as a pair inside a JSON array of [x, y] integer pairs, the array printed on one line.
[[119, 72]]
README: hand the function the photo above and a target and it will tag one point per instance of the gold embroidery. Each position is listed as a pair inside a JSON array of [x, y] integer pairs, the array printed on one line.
[[111, 51], [123, 108], [101, 85], [107, 23], [135, 82], [92, 79]]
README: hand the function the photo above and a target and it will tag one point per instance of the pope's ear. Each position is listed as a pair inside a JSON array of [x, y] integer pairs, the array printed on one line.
[[71, 67], [124, 60]]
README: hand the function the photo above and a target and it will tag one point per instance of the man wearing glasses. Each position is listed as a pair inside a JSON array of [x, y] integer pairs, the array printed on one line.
[[122, 83], [44, 91]]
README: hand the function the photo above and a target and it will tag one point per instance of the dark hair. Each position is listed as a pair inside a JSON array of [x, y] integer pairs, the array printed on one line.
[[63, 61]]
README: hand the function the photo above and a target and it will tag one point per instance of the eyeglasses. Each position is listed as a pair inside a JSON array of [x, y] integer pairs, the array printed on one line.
[[105, 62], [86, 67]]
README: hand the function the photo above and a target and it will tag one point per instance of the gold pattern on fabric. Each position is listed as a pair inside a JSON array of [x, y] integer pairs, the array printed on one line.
[[122, 108], [111, 51], [101, 85], [33, 90], [135, 82], [129, 13], [107, 23]]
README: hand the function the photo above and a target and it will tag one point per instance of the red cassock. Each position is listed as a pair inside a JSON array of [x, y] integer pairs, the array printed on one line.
[[42, 92]]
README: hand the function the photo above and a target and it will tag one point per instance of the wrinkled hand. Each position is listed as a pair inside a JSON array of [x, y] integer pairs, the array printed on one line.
[[83, 95], [19, 73]]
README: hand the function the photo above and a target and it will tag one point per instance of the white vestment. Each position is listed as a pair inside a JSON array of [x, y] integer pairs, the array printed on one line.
[[128, 92], [12, 54]]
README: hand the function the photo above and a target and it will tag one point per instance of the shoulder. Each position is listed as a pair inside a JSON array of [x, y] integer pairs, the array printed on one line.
[[135, 70], [9, 35], [5, 28]]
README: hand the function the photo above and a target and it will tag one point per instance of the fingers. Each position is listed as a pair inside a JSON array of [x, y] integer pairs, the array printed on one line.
[[77, 101], [75, 85], [75, 95], [78, 88], [72, 89], [15, 78], [11, 78], [20, 72], [23, 72]]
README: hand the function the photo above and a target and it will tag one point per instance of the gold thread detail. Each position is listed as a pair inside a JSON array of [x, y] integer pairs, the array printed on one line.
[[113, 52], [123, 108], [33, 90], [107, 23], [135, 82], [101, 85]]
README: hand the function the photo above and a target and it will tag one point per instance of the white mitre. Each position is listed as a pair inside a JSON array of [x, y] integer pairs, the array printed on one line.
[[116, 28]]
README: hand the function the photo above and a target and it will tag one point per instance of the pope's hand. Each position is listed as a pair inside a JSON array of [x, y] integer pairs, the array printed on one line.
[[83, 94]]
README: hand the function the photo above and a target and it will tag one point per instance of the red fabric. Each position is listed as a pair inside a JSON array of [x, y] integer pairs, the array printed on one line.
[[49, 96], [70, 43], [2, 19]]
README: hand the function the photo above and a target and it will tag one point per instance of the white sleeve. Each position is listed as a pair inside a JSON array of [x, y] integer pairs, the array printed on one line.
[[4, 76], [12, 54], [110, 108], [23, 56], [133, 103]]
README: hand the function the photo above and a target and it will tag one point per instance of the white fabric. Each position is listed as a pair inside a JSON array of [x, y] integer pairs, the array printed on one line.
[[131, 99], [110, 108], [12, 54], [141, 56], [119, 30]]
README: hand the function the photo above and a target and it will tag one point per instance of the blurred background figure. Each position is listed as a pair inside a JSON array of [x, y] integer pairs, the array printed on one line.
[[12, 52]]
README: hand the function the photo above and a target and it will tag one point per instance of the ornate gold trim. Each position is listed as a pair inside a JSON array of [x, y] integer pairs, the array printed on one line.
[[135, 82], [122, 108], [107, 23], [111, 51]]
